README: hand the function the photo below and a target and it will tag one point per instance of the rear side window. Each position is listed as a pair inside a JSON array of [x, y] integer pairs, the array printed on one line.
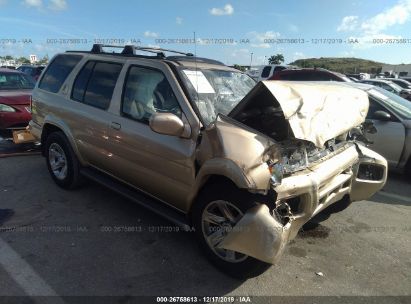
[[320, 76], [295, 76], [57, 72], [80, 84], [266, 71], [95, 83]]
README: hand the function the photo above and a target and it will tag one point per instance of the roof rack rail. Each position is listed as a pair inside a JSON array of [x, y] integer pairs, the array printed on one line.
[[132, 49]]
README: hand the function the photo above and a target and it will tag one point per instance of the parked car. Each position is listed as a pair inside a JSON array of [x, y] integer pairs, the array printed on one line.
[[406, 78], [391, 116], [246, 165], [32, 70], [355, 76], [264, 72], [400, 82], [390, 87], [10, 67], [310, 75], [15, 92]]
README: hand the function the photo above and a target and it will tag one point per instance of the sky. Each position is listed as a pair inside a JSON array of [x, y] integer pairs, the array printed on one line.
[[234, 32]]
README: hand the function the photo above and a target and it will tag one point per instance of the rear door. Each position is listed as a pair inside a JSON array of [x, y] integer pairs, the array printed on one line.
[[88, 118]]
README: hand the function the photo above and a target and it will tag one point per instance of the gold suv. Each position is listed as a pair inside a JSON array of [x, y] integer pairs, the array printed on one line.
[[245, 164]]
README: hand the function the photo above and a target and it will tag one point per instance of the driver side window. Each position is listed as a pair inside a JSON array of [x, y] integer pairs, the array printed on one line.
[[147, 91], [374, 107]]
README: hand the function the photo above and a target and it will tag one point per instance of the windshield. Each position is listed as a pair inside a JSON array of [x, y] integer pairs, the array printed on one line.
[[15, 81], [216, 91], [399, 105]]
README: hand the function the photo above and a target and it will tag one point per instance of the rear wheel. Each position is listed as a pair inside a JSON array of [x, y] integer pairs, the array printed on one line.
[[61, 161], [217, 210], [407, 169]]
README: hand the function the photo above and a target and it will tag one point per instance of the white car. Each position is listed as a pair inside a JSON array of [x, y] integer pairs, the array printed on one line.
[[263, 72]]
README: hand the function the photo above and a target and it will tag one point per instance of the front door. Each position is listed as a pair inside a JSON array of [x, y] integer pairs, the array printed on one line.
[[161, 165]]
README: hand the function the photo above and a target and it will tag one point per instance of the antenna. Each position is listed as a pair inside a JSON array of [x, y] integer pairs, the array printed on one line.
[[195, 62]]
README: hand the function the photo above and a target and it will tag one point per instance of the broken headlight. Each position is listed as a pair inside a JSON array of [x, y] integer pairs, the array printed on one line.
[[295, 159], [276, 171]]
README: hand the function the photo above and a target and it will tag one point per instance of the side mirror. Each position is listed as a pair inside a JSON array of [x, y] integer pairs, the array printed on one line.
[[167, 124], [382, 115]]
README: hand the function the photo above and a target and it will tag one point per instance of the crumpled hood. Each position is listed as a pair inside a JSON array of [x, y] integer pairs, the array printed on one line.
[[316, 111]]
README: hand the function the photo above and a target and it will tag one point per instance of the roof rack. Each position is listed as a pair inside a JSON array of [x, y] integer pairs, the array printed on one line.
[[132, 50]]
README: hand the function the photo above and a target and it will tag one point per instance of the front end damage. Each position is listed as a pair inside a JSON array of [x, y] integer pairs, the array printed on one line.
[[307, 169]]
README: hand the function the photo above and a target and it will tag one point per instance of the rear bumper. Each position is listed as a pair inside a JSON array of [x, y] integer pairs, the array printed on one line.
[[262, 235]]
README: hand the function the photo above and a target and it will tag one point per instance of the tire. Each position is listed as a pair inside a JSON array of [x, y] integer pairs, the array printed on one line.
[[60, 158], [407, 169], [239, 201]]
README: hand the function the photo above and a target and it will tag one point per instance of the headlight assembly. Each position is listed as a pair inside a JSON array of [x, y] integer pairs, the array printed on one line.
[[276, 171], [6, 108]]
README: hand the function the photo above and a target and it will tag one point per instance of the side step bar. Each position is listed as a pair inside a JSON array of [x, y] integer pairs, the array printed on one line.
[[176, 217]]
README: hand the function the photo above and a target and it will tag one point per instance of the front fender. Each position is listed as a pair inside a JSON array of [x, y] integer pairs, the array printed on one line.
[[223, 167]]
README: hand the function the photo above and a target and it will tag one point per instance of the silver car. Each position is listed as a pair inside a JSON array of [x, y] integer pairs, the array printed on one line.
[[391, 116], [389, 86]]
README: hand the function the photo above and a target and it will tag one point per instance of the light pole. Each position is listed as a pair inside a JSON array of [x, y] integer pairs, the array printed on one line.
[[251, 60]]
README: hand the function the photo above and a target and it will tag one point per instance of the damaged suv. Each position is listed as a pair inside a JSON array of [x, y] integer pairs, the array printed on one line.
[[246, 165]]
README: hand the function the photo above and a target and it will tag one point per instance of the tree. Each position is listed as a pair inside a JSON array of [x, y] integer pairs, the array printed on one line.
[[239, 67], [44, 60], [23, 60], [276, 59]]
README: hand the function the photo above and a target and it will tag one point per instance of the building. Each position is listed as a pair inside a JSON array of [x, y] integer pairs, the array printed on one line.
[[397, 69]]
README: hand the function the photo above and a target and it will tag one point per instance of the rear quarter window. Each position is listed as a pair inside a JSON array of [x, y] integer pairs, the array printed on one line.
[[95, 83], [57, 72]]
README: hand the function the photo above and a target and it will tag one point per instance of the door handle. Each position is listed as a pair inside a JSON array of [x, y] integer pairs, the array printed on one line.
[[115, 126]]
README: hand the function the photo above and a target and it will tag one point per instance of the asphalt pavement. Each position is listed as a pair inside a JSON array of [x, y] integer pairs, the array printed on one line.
[[93, 242]]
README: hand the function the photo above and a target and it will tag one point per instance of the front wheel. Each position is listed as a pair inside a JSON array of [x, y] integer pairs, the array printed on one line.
[[218, 208]]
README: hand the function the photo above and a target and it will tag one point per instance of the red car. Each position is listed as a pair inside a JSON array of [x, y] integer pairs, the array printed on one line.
[[15, 96], [309, 74]]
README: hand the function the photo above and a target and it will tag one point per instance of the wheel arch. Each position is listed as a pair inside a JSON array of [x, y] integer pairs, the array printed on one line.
[[218, 170], [51, 126]]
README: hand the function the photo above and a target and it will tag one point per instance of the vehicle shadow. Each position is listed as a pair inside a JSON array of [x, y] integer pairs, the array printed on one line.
[[397, 191], [105, 244], [169, 261], [8, 147]]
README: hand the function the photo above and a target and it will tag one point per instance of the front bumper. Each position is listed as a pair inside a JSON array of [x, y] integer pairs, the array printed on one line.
[[263, 235]]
